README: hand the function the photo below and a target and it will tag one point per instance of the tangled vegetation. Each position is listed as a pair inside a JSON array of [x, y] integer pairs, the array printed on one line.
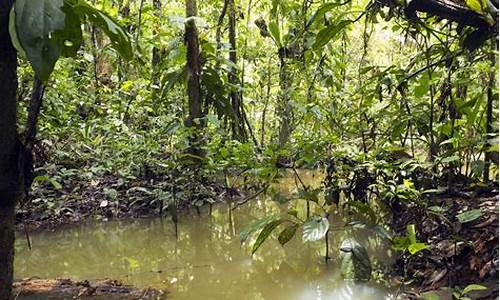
[[127, 108]]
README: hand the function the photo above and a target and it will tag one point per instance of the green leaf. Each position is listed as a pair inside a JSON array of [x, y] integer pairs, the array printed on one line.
[[13, 34], [355, 262], [172, 78], [414, 248], [381, 231], [322, 11], [364, 209], [469, 216], [287, 234], [256, 225], [411, 233], [120, 40], [475, 5], [35, 25], [274, 29], [430, 296], [264, 234], [315, 228], [47, 179], [328, 33], [473, 287], [450, 159], [71, 37]]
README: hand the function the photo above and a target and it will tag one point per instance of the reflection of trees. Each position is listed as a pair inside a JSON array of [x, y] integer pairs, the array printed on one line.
[[206, 262]]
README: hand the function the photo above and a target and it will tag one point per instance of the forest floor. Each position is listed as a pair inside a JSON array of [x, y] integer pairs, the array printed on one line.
[[460, 252], [111, 197], [68, 289]]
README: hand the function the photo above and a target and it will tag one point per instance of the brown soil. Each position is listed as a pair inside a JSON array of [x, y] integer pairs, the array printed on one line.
[[459, 254], [34, 288]]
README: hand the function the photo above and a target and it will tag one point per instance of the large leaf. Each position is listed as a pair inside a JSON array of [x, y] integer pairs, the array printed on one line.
[[264, 234], [36, 23], [256, 225], [328, 33], [416, 247], [71, 37], [275, 32], [381, 231], [287, 234], [473, 287], [315, 228], [469, 215], [355, 262], [364, 209], [322, 11], [120, 40]]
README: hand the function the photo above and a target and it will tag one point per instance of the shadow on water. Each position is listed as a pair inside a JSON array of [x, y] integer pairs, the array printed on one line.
[[206, 262]]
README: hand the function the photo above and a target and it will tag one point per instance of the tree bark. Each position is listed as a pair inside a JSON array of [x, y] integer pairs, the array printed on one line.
[[155, 60], [193, 65], [238, 127], [284, 107], [488, 155], [9, 168]]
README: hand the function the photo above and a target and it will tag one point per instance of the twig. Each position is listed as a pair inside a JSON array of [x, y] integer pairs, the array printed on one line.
[[251, 197]]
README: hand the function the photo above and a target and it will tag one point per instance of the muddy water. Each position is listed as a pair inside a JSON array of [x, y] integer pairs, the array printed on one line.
[[206, 261]]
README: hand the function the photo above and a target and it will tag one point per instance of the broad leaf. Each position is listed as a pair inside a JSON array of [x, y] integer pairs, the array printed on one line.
[[364, 209], [274, 29], [355, 262], [287, 234], [322, 11], [256, 225], [450, 159], [416, 247], [36, 23], [315, 228], [381, 231], [411, 233], [430, 296], [469, 216], [264, 234], [473, 287], [328, 33], [71, 37], [119, 38]]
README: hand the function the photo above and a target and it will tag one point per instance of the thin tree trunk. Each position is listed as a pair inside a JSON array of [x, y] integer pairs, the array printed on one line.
[[33, 112], [193, 65], [488, 155], [238, 127], [155, 61], [139, 24], [9, 168], [284, 107], [194, 119], [266, 104]]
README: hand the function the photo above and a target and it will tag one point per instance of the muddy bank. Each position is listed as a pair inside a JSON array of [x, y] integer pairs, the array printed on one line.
[[461, 231], [34, 288], [79, 198]]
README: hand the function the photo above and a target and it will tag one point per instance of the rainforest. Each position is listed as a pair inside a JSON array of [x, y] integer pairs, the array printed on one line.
[[249, 149]]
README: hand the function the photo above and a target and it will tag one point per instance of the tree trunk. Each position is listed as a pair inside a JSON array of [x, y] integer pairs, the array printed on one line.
[[155, 60], [488, 155], [284, 107], [193, 65], [238, 127], [9, 168]]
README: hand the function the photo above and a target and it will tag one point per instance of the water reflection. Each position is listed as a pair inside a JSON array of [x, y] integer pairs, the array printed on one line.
[[206, 262]]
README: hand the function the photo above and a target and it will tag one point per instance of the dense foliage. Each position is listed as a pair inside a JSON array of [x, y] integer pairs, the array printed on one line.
[[396, 101]]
